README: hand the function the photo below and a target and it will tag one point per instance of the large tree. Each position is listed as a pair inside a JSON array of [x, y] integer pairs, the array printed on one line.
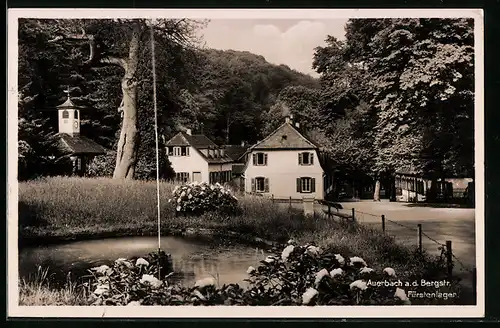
[[418, 76], [124, 43]]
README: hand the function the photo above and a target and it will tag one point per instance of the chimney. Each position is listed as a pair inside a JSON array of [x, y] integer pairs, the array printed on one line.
[[297, 125], [188, 131]]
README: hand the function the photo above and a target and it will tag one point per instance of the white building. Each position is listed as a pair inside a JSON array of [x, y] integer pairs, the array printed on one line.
[[285, 164], [197, 158]]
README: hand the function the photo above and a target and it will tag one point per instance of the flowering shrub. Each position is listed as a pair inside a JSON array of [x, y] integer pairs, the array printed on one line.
[[199, 198], [299, 275]]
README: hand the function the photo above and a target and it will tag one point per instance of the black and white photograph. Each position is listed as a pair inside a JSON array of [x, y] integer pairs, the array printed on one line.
[[245, 163]]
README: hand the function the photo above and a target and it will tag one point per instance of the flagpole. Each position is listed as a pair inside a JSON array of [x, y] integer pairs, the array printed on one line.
[[157, 146]]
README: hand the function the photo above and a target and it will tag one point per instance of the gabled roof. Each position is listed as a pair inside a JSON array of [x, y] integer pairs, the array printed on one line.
[[199, 141], [285, 137], [80, 145]]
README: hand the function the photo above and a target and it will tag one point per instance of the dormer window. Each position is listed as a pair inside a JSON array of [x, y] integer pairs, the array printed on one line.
[[306, 158], [178, 151], [260, 159]]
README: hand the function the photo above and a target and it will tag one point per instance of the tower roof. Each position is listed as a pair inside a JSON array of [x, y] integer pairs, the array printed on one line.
[[69, 104]]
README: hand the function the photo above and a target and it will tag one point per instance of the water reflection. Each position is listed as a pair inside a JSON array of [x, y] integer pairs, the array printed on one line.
[[192, 259]]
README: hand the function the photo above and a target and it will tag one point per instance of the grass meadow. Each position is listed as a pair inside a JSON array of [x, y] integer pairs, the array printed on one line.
[[62, 208]]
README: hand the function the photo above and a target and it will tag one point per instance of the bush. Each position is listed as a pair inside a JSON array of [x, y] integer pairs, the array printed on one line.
[[199, 198], [299, 275]]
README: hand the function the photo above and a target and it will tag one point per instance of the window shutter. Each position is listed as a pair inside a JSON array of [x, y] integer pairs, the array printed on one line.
[[187, 151], [313, 185], [298, 185], [253, 185], [254, 156], [265, 159], [266, 184], [311, 161], [300, 158]]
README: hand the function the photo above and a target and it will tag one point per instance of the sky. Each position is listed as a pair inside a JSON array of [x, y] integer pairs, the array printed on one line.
[[281, 41]]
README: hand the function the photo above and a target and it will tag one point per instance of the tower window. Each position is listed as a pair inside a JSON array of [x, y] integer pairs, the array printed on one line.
[[76, 115], [65, 114]]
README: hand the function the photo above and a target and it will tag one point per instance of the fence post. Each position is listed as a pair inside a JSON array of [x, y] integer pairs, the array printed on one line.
[[353, 215], [290, 201], [272, 198], [383, 223], [449, 257], [419, 237]]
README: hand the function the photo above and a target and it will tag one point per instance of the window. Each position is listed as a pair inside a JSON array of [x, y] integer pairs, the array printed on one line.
[[219, 176], [182, 176], [76, 114], [65, 114], [306, 185], [260, 184], [260, 159], [306, 158], [178, 151]]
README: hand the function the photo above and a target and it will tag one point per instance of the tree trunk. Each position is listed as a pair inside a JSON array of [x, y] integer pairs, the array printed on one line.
[[376, 193], [128, 144]]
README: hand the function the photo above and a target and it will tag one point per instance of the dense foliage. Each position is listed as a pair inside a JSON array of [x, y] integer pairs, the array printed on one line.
[[200, 198], [294, 275], [398, 95]]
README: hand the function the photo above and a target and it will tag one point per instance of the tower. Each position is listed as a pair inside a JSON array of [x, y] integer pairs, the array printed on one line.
[[69, 117]]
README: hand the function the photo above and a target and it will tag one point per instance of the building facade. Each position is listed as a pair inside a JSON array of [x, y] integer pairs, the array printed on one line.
[[285, 164]]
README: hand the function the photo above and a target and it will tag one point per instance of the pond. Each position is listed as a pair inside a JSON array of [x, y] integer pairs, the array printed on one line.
[[192, 258]]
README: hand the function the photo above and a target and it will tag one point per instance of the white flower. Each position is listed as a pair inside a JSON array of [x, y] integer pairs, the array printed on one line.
[[169, 201], [365, 270], [360, 284], [176, 188], [212, 187], [205, 282], [250, 269], [134, 303], [202, 193], [339, 259], [103, 269], [291, 242], [357, 259], [190, 196], [141, 261], [124, 262], [178, 208], [309, 294], [336, 272], [203, 188], [269, 259], [183, 194], [400, 293], [313, 250], [101, 289], [179, 200], [153, 281], [390, 272], [320, 275], [286, 252]]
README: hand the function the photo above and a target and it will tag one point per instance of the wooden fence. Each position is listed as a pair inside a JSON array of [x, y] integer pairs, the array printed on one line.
[[332, 209]]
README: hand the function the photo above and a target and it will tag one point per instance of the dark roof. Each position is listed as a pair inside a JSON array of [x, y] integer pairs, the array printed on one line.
[[235, 151], [238, 168], [199, 141], [285, 137], [80, 145], [69, 104]]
